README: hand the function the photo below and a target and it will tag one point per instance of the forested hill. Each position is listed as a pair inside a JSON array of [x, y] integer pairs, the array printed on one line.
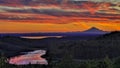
[[108, 44], [112, 35]]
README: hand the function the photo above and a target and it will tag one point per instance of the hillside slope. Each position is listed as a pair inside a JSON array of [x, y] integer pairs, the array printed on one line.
[[106, 45]]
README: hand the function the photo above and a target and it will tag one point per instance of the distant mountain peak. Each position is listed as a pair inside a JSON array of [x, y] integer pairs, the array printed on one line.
[[95, 30]]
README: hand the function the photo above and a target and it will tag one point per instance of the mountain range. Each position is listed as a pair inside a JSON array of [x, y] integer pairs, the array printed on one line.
[[90, 32]]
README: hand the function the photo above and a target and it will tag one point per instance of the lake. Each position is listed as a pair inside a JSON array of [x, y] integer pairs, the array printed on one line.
[[33, 57], [40, 37]]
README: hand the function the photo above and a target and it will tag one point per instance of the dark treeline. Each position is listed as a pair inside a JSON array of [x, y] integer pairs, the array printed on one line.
[[67, 61]]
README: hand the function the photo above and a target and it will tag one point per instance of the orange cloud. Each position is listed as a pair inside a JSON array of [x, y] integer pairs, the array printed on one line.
[[52, 16]]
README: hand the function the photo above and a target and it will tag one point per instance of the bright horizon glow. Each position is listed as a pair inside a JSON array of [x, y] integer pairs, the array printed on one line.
[[48, 27]]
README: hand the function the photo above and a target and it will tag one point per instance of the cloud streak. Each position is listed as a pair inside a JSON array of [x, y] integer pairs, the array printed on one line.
[[60, 12]]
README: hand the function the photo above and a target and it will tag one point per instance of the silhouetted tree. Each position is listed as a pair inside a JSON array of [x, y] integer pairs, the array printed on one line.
[[117, 62], [67, 62], [3, 61], [108, 62]]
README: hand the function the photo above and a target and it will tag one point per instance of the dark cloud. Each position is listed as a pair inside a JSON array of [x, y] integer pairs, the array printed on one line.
[[72, 9]]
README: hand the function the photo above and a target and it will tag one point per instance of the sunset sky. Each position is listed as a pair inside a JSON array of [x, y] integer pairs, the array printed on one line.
[[21, 16]]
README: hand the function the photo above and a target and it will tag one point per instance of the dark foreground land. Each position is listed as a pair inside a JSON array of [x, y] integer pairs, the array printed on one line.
[[101, 52], [68, 62]]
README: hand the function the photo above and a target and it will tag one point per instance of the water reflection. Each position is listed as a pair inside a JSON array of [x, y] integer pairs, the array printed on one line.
[[30, 58], [40, 37]]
